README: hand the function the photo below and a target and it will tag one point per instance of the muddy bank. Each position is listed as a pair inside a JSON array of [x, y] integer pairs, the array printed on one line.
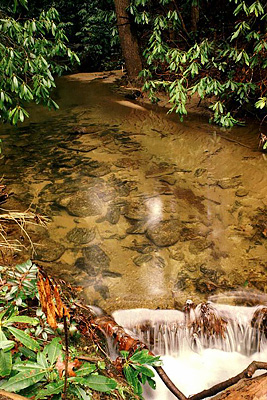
[[145, 210]]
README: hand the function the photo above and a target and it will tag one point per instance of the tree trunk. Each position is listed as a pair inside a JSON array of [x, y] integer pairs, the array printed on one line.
[[129, 45], [194, 16]]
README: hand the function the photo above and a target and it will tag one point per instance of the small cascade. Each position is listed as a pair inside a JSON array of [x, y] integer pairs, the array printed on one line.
[[208, 325], [201, 346]]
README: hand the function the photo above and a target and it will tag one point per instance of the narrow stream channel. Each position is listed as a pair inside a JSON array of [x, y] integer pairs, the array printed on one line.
[[146, 211]]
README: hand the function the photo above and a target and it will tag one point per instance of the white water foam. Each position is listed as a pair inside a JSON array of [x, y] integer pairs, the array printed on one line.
[[187, 360]]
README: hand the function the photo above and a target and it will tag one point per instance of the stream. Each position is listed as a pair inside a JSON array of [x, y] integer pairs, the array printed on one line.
[[145, 211]]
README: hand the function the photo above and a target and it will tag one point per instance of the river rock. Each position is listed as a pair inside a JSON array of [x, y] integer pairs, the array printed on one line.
[[103, 290], [136, 228], [49, 250], [199, 245], [97, 171], [81, 235], [164, 233], [241, 192], [159, 262], [171, 180], [96, 257], [84, 204], [136, 211], [113, 214], [140, 260], [229, 183], [82, 264]]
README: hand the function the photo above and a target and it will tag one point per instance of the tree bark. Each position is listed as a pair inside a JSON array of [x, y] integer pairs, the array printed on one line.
[[129, 44], [253, 389]]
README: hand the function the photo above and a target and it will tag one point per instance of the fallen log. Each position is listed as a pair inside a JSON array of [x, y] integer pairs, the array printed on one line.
[[10, 396], [248, 389]]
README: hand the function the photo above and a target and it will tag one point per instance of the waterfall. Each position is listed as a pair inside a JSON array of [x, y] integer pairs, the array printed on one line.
[[201, 346]]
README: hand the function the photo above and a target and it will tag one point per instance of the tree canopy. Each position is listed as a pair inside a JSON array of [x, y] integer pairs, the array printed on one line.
[[30, 53], [213, 50]]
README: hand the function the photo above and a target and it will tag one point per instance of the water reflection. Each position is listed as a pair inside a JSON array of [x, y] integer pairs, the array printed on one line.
[[145, 210]]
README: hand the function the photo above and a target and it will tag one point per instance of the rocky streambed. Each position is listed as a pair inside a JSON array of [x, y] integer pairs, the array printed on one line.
[[145, 210]]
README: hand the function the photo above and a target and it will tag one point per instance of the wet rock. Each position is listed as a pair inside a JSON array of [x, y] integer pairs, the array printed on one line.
[[199, 172], [126, 163], [136, 211], [164, 233], [229, 183], [82, 264], [96, 257], [205, 286], [212, 273], [81, 235], [176, 255], [168, 179], [199, 245], [84, 204], [49, 250], [241, 192], [98, 171], [111, 274], [159, 262], [159, 170], [113, 214], [103, 290], [182, 282], [137, 228], [140, 260], [82, 148]]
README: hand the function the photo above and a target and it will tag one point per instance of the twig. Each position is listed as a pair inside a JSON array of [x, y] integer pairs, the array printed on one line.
[[89, 359], [64, 394], [170, 385]]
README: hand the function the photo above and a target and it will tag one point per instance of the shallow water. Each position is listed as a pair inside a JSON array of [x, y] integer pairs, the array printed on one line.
[[145, 210]]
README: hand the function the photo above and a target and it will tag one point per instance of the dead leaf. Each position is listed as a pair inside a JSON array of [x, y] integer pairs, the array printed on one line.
[[61, 366]]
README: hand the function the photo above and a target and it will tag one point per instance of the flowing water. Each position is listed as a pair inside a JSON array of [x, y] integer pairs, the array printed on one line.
[[195, 358], [145, 211]]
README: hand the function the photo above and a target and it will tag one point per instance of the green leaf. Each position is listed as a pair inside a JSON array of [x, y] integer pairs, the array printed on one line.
[[5, 363], [53, 350], [6, 344], [22, 380], [50, 389], [97, 382], [144, 370], [41, 360], [82, 393], [25, 339], [86, 369], [28, 366], [151, 383], [23, 319]]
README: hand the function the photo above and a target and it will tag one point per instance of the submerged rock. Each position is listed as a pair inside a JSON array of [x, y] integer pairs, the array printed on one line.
[[113, 214], [164, 233], [82, 264], [81, 235], [84, 204], [241, 192], [49, 250], [96, 257], [140, 260]]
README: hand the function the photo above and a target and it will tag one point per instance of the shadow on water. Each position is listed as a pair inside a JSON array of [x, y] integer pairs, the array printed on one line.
[[145, 211]]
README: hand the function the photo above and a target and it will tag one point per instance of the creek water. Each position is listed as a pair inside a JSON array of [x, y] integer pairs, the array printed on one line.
[[145, 211]]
